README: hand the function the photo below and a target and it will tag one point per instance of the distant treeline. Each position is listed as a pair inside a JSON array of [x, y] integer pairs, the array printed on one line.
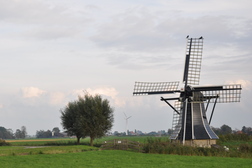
[[22, 133], [9, 134], [225, 129], [55, 132], [49, 134]]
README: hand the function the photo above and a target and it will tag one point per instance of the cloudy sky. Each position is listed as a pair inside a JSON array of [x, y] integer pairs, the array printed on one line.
[[52, 50]]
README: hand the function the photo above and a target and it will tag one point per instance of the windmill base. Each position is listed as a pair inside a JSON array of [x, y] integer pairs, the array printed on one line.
[[206, 143]]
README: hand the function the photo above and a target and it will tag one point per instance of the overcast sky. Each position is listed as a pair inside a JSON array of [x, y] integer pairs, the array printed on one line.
[[52, 50]]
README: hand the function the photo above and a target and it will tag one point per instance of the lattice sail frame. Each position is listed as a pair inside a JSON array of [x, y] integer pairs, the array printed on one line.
[[229, 93], [177, 120], [194, 48], [146, 88]]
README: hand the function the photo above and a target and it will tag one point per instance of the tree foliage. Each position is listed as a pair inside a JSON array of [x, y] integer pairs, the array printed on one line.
[[88, 116], [56, 132], [18, 134], [21, 133], [72, 121], [223, 130], [6, 133], [247, 130], [44, 134]]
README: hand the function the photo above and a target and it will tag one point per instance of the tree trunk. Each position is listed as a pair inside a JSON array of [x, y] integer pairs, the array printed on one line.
[[91, 141], [78, 140]]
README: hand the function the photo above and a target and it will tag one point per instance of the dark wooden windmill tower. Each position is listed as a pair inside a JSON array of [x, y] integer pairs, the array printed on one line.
[[190, 124]]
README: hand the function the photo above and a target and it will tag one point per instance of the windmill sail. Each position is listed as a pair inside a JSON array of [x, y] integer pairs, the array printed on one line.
[[147, 88], [177, 120], [193, 60], [224, 94]]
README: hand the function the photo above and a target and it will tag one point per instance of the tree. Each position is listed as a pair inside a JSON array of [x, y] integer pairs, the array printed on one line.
[[97, 116], [247, 130], [244, 129], [6, 133], [71, 121], [225, 129], [21, 133], [216, 130], [56, 132], [44, 134], [18, 134], [88, 116]]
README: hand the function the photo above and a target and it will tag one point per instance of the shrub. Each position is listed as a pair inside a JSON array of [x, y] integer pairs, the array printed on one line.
[[167, 147], [246, 148], [234, 137], [4, 143]]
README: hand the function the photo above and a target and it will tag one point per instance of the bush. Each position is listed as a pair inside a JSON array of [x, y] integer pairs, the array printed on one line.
[[4, 143], [234, 137], [245, 148], [166, 147], [156, 145]]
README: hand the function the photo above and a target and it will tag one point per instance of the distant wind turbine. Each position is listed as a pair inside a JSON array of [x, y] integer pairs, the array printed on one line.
[[126, 119]]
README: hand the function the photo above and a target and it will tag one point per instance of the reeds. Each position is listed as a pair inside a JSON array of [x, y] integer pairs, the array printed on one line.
[[154, 145]]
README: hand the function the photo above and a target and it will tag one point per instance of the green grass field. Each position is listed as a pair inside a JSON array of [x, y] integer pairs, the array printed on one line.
[[37, 153], [111, 158]]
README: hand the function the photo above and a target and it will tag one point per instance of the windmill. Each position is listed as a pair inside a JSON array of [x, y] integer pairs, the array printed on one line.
[[190, 124], [126, 119]]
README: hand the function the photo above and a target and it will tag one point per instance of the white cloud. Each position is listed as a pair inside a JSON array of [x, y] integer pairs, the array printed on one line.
[[42, 20], [214, 6], [105, 91], [29, 92], [141, 29], [108, 91], [57, 98]]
